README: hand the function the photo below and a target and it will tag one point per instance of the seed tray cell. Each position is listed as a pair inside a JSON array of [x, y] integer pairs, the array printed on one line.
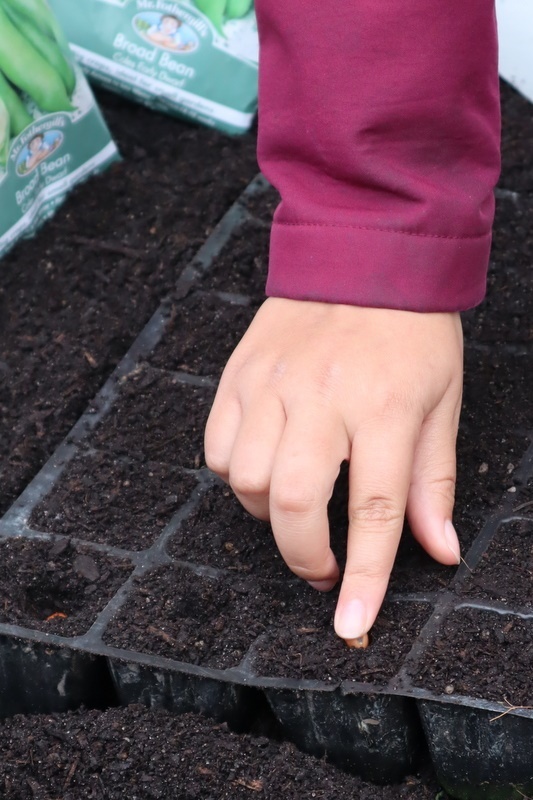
[[157, 417], [243, 263], [101, 498], [505, 571], [475, 703], [263, 206], [192, 618], [480, 653], [303, 645], [45, 676], [54, 586], [220, 534], [201, 333]]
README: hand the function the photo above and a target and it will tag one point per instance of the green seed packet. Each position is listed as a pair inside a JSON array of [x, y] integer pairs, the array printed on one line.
[[52, 135], [192, 58]]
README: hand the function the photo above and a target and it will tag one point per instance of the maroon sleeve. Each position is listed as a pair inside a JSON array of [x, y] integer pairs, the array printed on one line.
[[379, 125]]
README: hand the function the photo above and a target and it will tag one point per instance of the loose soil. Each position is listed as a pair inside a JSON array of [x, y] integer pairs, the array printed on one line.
[[146, 755], [201, 334], [242, 266], [118, 501], [505, 572], [302, 644], [198, 619], [220, 534], [213, 621], [156, 418], [480, 654], [56, 587]]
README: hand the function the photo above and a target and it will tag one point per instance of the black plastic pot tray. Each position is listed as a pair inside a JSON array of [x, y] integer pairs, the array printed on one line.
[[184, 603]]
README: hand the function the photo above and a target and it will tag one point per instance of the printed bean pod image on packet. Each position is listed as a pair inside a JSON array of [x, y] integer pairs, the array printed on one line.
[[52, 134]]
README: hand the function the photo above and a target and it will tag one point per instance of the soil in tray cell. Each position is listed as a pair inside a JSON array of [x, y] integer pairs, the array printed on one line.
[[201, 334], [55, 587], [212, 622], [242, 265], [263, 205], [196, 619], [480, 654], [505, 572], [119, 502], [156, 418], [220, 534], [189, 175], [135, 752], [496, 415], [506, 315], [303, 644]]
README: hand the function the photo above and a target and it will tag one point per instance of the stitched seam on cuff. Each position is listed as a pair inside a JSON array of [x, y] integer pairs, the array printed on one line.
[[379, 230]]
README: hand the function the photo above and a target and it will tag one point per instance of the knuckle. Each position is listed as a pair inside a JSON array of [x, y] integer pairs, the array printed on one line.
[[295, 498], [377, 509], [367, 573], [444, 488], [216, 461], [395, 404], [248, 483]]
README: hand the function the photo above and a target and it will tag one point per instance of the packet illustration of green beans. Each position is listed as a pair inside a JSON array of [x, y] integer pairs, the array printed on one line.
[[192, 58], [52, 134]]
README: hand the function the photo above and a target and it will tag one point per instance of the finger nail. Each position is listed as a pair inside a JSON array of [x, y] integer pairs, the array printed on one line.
[[350, 620], [323, 586], [452, 541]]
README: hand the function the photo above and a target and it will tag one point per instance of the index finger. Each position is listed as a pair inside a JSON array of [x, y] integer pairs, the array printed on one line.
[[380, 474]]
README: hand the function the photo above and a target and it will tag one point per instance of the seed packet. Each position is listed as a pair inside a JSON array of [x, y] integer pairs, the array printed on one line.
[[191, 58], [51, 132]]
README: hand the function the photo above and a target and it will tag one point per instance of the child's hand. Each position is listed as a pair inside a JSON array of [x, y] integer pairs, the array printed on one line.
[[312, 384]]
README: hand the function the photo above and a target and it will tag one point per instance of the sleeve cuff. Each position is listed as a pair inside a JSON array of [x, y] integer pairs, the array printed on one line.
[[360, 266]]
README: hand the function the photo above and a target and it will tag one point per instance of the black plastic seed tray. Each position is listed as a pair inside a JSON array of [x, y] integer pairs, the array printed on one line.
[[185, 603]]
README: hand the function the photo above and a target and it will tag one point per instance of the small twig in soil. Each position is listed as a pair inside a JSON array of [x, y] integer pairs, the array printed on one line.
[[162, 635], [90, 359], [520, 508], [466, 565], [525, 796], [509, 709], [110, 247], [71, 772], [255, 786]]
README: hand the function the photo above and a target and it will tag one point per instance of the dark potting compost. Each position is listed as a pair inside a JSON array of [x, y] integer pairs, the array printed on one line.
[[505, 571], [202, 332], [159, 285], [146, 754], [109, 499], [490, 657], [56, 587]]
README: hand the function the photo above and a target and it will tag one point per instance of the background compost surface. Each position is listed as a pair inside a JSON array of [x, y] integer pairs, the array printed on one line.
[[142, 754]]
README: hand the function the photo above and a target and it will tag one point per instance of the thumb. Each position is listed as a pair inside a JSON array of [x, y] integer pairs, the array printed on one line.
[[432, 492]]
